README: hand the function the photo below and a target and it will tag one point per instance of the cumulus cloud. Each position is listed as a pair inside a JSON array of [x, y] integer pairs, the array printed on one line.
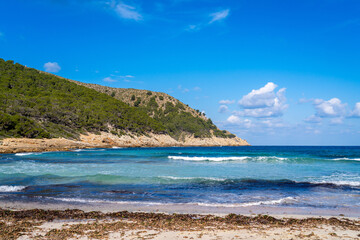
[[226, 102], [52, 67], [223, 109], [263, 102], [259, 98], [235, 120], [331, 108], [127, 12], [218, 16], [356, 111]]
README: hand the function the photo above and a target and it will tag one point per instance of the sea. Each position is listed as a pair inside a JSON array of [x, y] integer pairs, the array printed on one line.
[[277, 176]]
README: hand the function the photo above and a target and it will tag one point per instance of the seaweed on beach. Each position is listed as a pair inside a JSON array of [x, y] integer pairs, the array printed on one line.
[[98, 225]]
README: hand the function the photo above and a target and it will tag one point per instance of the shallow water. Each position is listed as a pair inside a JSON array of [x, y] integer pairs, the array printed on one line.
[[308, 177]]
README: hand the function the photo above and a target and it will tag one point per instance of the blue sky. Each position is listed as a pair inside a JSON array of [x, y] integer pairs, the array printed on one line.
[[275, 72]]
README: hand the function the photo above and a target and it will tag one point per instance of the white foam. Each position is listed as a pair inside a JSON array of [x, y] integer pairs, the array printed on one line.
[[265, 158], [191, 178], [89, 150], [212, 159], [339, 183], [82, 200], [226, 205], [346, 159], [249, 204], [23, 154], [222, 159], [8, 188]]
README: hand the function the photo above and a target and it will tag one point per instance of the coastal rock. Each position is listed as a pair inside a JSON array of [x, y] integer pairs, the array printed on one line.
[[108, 140]]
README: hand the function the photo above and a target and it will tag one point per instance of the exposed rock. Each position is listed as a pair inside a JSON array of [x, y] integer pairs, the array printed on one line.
[[108, 140]]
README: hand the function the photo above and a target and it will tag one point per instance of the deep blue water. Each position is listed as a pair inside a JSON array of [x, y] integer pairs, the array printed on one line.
[[320, 177]]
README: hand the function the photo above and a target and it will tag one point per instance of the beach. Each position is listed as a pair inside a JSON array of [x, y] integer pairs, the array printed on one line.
[[181, 192], [77, 224]]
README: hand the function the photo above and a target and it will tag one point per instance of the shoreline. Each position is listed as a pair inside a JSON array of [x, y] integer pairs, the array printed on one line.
[[122, 224], [184, 208], [108, 140]]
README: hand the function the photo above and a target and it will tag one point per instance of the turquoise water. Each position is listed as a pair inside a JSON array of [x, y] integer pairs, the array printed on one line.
[[314, 177]]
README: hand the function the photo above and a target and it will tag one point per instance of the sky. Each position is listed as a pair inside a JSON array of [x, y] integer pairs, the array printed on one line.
[[274, 72]]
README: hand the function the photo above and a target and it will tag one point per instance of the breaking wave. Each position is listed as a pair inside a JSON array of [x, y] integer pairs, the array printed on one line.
[[8, 188]]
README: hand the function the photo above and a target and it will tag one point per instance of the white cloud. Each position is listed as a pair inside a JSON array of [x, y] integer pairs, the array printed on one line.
[[109, 79], [128, 12], [217, 16], [273, 123], [52, 67], [263, 102], [226, 102], [331, 108], [356, 111], [235, 120], [197, 89], [223, 109], [259, 98]]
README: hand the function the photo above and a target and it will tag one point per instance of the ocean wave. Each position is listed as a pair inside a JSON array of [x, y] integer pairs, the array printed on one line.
[[339, 183], [224, 159], [145, 203], [346, 159], [83, 200], [8, 188], [249, 204], [193, 178], [212, 159], [23, 154], [89, 150]]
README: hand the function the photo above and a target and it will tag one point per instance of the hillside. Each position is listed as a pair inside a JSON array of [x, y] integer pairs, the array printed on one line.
[[35, 104], [175, 116], [38, 105]]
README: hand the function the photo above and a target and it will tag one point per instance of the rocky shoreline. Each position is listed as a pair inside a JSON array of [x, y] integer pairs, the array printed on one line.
[[108, 140]]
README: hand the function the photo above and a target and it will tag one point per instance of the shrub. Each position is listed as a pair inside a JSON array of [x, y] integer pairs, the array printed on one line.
[[137, 103]]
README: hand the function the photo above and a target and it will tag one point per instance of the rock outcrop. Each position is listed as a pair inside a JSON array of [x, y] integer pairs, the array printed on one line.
[[108, 140]]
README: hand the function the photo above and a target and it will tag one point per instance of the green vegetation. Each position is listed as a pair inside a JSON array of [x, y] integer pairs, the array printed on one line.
[[137, 103], [37, 105]]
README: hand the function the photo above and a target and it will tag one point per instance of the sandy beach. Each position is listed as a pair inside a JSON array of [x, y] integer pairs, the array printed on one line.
[[78, 224]]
